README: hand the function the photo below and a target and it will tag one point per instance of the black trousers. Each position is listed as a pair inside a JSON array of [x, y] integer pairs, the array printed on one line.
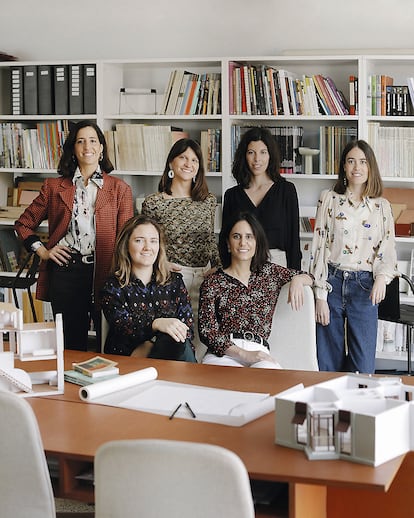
[[70, 291]]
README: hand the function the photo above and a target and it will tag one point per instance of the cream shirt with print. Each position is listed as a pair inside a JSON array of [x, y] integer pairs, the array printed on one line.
[[352, 236]]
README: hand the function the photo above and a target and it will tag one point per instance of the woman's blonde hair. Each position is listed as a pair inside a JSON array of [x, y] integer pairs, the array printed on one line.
[[121, 262]]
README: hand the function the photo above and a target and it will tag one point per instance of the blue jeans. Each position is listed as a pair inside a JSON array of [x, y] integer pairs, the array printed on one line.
[[348, 343]]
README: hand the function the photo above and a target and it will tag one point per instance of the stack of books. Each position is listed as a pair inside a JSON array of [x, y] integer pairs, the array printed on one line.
[[91, 371]]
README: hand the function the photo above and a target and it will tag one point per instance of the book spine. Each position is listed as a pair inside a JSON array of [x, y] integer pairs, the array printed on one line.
[[75, 89], [16, 74], [351, 95], [61, 89], [89, 88], [30, 90], [45, 87]]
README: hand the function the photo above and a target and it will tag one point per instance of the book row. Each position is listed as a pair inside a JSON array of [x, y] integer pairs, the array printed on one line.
[[53, 89], [141, 147], [192, 94], [394, 149], [265, 90], [32, 148], [385, 98], [332, 140]]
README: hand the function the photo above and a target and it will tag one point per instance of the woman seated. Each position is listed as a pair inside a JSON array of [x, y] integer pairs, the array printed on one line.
[[237, 302], [147, 306]]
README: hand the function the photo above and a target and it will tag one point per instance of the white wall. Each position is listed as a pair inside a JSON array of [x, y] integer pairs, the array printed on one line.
[[94, 29]]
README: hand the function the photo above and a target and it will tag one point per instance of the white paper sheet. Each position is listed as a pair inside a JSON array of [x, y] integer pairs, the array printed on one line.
[[141, 390]]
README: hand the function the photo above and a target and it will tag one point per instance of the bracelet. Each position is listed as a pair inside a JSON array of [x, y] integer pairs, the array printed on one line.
[[36, 245]]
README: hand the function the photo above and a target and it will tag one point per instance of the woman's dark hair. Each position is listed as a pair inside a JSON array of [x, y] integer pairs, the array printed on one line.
[[68, 162], [240, 169], [262, 248], [199, 188], [374, 186]]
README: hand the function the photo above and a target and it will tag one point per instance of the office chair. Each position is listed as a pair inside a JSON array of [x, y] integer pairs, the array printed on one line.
[[292, 340], [23, 279], [156, 478], [25, 488], [391, 310]]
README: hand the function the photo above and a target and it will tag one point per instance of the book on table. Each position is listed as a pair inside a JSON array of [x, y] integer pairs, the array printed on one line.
[[96, 367], [78, 378]]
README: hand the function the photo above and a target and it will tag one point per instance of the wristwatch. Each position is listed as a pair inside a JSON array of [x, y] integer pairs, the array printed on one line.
[[36, 245]]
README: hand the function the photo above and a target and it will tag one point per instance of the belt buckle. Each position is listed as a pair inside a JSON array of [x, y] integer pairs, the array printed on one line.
[[87, 259], [249, 336]]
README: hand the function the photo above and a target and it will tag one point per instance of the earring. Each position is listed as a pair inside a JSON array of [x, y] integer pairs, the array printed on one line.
[[101, 157], [171, 174], [74, 159], [345, 181], [194, 178]]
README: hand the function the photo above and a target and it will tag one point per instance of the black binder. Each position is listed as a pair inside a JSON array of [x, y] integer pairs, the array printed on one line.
[[89, 89], [30, 103], [75, 89], [61, 89], [16, 80], [45, 88]]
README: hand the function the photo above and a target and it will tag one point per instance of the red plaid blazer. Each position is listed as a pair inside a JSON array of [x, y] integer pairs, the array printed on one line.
[[55, 203]]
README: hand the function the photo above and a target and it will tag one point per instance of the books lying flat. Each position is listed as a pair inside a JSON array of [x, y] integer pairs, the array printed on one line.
[[78, 378], [96, 367], [142, 391]]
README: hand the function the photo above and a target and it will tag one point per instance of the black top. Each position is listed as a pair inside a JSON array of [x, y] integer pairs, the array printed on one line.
[[278, 213]]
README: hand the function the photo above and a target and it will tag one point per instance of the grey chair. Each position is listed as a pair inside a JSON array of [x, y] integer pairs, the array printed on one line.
[[25, 488], [155, 478]]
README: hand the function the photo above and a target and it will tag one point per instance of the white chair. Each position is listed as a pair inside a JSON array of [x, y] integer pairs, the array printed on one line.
[[292, 341], [25, 488], [155, 478]]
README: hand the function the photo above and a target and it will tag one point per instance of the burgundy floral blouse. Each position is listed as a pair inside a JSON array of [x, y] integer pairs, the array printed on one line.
[[228, 306]]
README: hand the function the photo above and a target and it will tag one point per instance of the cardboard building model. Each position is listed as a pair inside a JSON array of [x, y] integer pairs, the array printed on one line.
[[39, 343], [354, 417]]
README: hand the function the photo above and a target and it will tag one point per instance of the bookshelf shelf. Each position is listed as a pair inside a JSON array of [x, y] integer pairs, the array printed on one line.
[[152, 75]]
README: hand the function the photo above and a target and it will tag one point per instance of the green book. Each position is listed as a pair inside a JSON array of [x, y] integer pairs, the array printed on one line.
[[78, 378]]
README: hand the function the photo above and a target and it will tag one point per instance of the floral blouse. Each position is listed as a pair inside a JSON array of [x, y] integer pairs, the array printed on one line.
[[131, 310], [352, 237], [189, 228], [228, 306]]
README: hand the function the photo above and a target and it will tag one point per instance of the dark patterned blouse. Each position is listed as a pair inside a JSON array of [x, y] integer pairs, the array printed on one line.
[[188, 226], [131, 310], [228, 306]]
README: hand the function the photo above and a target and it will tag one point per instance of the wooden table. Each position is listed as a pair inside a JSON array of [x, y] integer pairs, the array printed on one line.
[[73, 430]]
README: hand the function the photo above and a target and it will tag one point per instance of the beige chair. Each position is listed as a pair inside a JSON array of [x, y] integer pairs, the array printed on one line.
[[25, 488], [293, 338], [155, 478]]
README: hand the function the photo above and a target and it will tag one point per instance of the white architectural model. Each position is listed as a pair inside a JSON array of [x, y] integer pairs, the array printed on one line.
[[36, 342], [354, 417]]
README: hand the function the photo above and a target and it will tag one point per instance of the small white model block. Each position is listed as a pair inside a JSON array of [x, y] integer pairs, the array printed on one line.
[[31, 342], [358, 418]]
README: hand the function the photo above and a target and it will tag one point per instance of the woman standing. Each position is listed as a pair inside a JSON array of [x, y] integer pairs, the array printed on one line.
[[262, 191], [237, 302], [353, 259], [85, 209], [186, 210], [147, 306]]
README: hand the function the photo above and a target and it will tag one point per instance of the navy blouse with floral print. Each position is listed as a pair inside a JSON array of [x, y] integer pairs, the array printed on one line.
[[228, 306], [131, 310]]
